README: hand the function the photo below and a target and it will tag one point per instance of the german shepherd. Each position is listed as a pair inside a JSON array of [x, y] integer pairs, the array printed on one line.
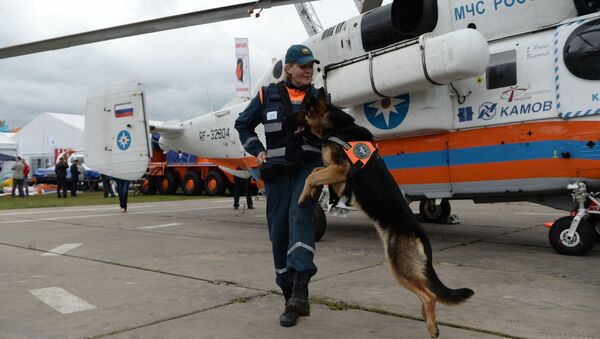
[[407, 247]]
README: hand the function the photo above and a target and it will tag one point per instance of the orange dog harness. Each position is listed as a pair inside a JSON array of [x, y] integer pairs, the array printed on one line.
[[358, 152]]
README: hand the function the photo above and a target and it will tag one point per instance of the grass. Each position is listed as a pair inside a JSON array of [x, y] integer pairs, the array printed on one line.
[[83, 199]]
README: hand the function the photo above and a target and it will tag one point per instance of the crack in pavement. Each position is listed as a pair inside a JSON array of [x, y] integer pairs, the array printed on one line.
[[491, 237], [179, 316], [317, 300]]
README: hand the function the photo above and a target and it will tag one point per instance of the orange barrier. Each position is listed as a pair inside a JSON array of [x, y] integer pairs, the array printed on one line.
[[42, 187]]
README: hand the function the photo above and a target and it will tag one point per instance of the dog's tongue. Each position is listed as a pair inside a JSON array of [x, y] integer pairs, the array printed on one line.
[[299, 129]]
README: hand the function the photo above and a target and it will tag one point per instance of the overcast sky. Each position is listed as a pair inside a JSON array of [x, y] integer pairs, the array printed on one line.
[[180, 68]]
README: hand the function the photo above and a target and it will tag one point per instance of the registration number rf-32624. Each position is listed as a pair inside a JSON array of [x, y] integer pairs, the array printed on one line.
[[214, 134]]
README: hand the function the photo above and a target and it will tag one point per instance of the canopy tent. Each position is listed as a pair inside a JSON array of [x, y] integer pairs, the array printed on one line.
[[6, 157]]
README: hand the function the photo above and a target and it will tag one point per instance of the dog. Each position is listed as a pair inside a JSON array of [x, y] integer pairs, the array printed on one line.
[[406, 245]]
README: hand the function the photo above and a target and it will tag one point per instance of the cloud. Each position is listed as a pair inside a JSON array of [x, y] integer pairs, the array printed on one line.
[[178, 67]]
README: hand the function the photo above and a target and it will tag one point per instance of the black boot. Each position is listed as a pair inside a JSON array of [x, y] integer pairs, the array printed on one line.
[[298, 303], [287, 319]]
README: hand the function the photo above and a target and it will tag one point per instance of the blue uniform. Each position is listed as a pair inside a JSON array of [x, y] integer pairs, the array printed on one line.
[[290, 159]]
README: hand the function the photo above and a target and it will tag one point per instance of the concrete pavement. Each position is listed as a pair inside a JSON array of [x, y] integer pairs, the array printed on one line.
[[199, 269]]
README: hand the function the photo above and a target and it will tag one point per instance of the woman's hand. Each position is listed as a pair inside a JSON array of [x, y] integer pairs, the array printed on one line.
[[261, 158]]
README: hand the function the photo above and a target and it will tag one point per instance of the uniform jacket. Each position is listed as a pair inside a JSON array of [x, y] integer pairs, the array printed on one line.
[[274, 106]]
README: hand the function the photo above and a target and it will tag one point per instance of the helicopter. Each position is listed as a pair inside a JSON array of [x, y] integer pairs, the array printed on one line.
[[487, 100]]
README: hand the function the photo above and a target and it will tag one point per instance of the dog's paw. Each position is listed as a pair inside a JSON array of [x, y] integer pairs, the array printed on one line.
[[303, 200]]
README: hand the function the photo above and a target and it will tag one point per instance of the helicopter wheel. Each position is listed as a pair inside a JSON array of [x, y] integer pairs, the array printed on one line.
[[432, 212], [580, 244]]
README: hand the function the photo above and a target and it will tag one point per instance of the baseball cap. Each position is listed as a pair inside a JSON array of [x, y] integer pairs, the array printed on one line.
[[299, 54]]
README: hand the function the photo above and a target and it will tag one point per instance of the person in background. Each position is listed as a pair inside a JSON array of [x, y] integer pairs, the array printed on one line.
[[61, 177], [289, 157], [26, 170], [18, 177], [106, 186], [81, 177], [74, 177], [241, 184], [122, 191]]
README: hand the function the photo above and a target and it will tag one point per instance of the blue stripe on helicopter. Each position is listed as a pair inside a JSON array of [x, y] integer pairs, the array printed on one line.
[[497, 153]]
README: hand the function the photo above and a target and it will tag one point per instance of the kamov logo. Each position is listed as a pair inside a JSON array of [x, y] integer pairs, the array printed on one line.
[[487, 111]]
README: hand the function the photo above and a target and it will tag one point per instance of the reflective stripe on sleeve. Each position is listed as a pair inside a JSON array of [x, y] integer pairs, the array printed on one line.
[[280, 270], [311, 148], [248, 141]]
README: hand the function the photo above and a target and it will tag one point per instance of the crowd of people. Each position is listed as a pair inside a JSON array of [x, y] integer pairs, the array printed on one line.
[[64, 184], [77, 176]]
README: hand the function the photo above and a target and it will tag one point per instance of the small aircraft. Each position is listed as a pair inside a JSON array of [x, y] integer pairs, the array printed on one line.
[[489, 100]]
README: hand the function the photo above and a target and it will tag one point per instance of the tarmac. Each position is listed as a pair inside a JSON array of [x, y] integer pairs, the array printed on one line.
[[200, 269]]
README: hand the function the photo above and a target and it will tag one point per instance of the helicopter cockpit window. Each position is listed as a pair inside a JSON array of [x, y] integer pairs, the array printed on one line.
[[582, 51], [502, 70]]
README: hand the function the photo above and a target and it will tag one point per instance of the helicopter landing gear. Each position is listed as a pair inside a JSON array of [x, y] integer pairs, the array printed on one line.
[[576, 235], [437, 211], [579, 243]]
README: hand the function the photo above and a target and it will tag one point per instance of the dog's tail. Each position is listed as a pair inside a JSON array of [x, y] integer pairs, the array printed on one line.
[[444, 294]]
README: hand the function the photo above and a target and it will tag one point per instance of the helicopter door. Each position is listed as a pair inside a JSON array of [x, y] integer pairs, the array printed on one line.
[[577, 67]]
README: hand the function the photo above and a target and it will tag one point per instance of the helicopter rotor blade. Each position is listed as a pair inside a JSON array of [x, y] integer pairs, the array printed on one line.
[[149, 26]]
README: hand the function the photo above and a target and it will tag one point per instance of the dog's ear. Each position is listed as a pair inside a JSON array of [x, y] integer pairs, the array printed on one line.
[[322, 100], [322, 95]]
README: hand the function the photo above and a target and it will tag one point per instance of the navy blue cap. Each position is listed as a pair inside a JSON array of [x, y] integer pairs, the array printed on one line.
[[299, 54]]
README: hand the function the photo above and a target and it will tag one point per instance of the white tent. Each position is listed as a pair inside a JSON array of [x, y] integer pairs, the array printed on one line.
[[7, 145], [37, 140], [8, 150]]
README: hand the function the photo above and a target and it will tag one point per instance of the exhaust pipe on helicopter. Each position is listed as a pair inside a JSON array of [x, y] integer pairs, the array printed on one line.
[[407, 66]]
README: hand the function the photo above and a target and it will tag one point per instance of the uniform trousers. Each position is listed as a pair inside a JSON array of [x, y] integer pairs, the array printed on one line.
[[291, 227]]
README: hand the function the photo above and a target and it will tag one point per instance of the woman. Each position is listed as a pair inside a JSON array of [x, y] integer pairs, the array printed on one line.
[[284, 165]]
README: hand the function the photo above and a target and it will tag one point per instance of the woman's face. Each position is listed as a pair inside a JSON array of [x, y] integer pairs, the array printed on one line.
[[300, 75]]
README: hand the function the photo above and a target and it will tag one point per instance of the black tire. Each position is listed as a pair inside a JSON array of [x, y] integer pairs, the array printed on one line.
[[594, 219], [168, 183], [430, 212], [583, 239], [215, 183], [192, 183], [320, 222], [149, 185]]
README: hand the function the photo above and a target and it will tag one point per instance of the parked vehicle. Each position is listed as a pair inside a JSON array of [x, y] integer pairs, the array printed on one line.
[[170, 171], [47, 175]]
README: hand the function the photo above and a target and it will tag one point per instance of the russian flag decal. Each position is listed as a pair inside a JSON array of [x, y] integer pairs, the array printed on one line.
[[122, 111]]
